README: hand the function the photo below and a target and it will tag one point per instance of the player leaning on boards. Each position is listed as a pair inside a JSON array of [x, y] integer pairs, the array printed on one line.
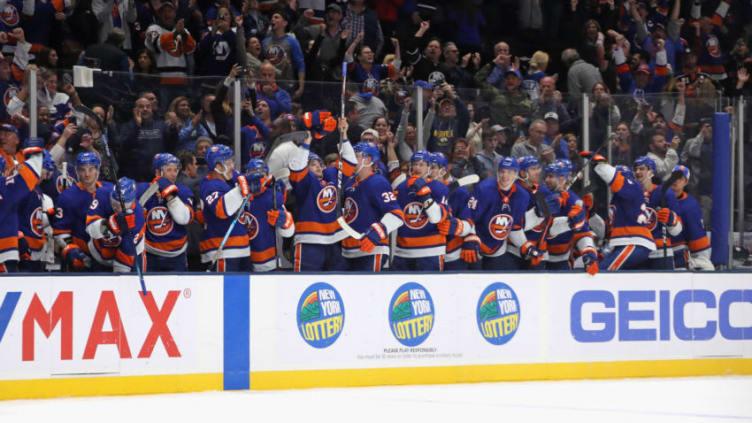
[[691, 246], [13, 189], [631, 240], [497, 211], [169, 210], [371, 209], [317, 233], [223, 192]]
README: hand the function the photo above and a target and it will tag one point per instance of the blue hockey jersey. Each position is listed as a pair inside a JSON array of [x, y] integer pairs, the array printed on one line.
[[418, 237], [13, 190], [218, 220], [116, 251], [166, 222]]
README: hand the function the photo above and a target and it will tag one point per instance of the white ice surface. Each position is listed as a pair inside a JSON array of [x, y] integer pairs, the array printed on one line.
[[686, 400]]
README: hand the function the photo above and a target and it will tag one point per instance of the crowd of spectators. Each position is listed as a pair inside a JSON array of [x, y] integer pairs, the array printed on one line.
[[498, 78]]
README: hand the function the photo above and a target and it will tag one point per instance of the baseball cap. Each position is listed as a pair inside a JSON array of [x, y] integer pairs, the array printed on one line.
[[551, 115], [497, 128], [644, 69], [514, 71], [335, 7], [8, 127], [162, 3]]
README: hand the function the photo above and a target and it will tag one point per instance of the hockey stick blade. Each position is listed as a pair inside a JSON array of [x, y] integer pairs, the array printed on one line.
[[153, 187], [465, 181], [347, 228], [398, 180]]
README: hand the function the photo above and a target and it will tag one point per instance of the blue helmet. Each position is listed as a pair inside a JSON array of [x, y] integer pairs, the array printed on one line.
[[314, 156], [509, 163], [421, 156], [163, 159], [127, 187], [47, 163], [683, 169], [88, 158], [439, 159], [645, 161], [528, 162], [255, 181], [626, 171], [368, 150], [567, 165], [256, 166], [217, 154]]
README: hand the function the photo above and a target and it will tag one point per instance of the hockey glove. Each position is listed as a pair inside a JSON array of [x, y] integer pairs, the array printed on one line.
[[576, 218], [74, 258], [278, 218], [531, 252], [373, 236], [590, 260], [666, 216], [24, 251], [451, 226], [422, 191], [553, 202], [594, 157], [120, 222], [470, 249], [166, 187], [242, 183]]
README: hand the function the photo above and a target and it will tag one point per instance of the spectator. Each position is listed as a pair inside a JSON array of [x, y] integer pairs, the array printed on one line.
[[458, 70], [551, 100], [200, 125], [663, 154], [536, 72], [179, 114], [47, 58], [284, 53], [276, 97], [695, 155], [503, 144], [532, 145], [622, 152], [202, 144], [172, 45], [220, 48], [255, 23], [511, 106], [353, 116], [477, 125], [142, 138], [488, 156], [358, 18], [603, 113], [553, 137], [369, 104], [469, 20], [463, 161], [581, 77], [117, 14], [253, 55], [451, 123], [364, 68], [333, 35], [491, 76], [427, 65]]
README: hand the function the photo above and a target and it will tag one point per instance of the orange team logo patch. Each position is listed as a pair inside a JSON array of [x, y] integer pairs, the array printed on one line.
[[415, 218], [499, 226], [652, 218], [35, 222], [9, 94], [9, 15], [326, 200], [351, 210], [159, 221], [251, 224]]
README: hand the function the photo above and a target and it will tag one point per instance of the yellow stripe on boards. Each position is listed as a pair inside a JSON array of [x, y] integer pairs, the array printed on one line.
[[296, 379], [110, 385]]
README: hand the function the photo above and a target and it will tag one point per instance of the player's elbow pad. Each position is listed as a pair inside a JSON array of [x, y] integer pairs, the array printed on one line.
[[391, 222], [606, 172], [676, 229], [181, 214], [559, 226], [532, 219], [517, 238], [434, 213], [34, 161], [232, 201], [584, 243]]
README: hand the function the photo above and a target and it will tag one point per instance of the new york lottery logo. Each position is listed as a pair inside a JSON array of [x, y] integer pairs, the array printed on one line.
[[321, 315], [411, 314], [498, 313]]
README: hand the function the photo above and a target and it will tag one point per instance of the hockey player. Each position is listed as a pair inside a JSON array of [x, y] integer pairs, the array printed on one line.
[[13, 189], [117, 234], [631, 240], [424, 203], [34, 215], [497, 211], [317, 234], [168, 212], [661, 211], [69, 224], [530, 171], [222, 193], [370, 208], [691, 246], [264, 214], [454, 231]]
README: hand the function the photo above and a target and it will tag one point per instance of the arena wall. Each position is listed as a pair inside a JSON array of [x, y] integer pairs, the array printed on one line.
[[97, 335]]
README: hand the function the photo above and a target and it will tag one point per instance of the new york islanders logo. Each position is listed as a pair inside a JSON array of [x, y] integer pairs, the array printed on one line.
[[275, 54], [326, 200], [159, 222], [652, 218], [351, 210], [714, 48], [9, 94], [498, 313], [35, 222], [415, 218], [499, 226], [321, 315], [62, 183], [411, 314], [250, 223], [9, 15]]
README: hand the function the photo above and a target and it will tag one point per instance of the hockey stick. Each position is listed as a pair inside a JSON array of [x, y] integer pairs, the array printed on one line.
[[541, 199], [229, 230], [341, 141], [151, 190], [464, 181], [581, 173], [349, 229], [83, 109], [280, 174], [675, 176], [398, 180]]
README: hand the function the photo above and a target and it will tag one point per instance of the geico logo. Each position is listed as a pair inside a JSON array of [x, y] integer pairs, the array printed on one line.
[[602, 325], [107, 315]]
